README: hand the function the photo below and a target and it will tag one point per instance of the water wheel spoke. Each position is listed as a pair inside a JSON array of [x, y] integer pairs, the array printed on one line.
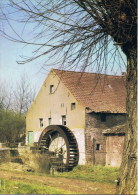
[[64, 152], [52, 140], [57, 141], [62, 143]]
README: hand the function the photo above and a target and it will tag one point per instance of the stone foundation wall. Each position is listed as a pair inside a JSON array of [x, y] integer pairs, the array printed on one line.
[[4, 155], [34, 160]]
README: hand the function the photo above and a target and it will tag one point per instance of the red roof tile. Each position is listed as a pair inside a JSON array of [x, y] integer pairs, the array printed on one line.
[[99, 92], [120, 129]]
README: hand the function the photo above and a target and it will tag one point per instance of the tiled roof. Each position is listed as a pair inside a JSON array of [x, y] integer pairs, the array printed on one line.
[[120, 129], [98, 92]]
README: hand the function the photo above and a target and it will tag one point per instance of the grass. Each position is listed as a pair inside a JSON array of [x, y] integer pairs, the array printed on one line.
[[102, 174], [13, 187]]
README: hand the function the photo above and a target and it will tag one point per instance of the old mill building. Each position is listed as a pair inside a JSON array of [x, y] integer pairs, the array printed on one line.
[[81, 116]]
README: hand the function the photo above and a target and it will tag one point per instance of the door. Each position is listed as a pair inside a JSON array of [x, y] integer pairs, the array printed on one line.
[[30, 137]]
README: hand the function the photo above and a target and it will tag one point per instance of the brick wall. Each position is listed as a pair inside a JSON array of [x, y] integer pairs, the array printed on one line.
[[95, 141]]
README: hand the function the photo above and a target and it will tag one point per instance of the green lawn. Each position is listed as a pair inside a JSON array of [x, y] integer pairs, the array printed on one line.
[[100, 174], [11, 187]]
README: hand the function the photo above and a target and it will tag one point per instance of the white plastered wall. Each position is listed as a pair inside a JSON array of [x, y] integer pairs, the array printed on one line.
[[80, 137], [48, 105]]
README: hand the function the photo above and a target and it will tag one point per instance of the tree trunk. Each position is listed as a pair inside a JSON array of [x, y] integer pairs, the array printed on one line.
[[128, 169]]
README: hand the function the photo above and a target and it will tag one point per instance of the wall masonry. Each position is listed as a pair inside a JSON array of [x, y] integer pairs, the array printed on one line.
[[97, 145]]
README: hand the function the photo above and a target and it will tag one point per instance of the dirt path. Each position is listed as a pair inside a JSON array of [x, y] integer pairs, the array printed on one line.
[[73, 185]]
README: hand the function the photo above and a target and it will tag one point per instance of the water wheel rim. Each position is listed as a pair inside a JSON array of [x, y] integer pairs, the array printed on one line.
[[51, 129], [63, 131]]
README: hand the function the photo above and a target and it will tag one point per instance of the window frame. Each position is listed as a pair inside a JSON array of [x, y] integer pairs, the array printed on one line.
[[64, 120], [49, 120], [41, 122], [98, 147], [62, 105], [51, 89], [73, 106]]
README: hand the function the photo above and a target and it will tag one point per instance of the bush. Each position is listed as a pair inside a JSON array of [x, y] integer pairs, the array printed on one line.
[[12, 125]]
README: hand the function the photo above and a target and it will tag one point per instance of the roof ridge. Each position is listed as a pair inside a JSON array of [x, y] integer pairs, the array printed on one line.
[[54, 69]]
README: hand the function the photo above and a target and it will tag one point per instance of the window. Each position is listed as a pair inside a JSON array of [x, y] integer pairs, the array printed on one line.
[[51, 88], [103, 117], [64, 120], [73, 106], [98, 147], [41, 122], [49, 121], [62, 105]]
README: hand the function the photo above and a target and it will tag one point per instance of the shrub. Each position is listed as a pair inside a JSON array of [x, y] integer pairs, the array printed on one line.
[[12, 125]]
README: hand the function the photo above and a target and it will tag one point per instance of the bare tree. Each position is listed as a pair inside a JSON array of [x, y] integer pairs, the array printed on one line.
[[80, 31], [6, 95], [17, 97], [24, 94]]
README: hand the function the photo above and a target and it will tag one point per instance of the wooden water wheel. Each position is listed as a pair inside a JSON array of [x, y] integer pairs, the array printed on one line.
[[60, 142]]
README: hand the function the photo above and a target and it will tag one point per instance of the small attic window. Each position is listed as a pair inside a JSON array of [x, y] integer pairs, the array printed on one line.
[[103, 117], [73, 106], [51, 88]]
